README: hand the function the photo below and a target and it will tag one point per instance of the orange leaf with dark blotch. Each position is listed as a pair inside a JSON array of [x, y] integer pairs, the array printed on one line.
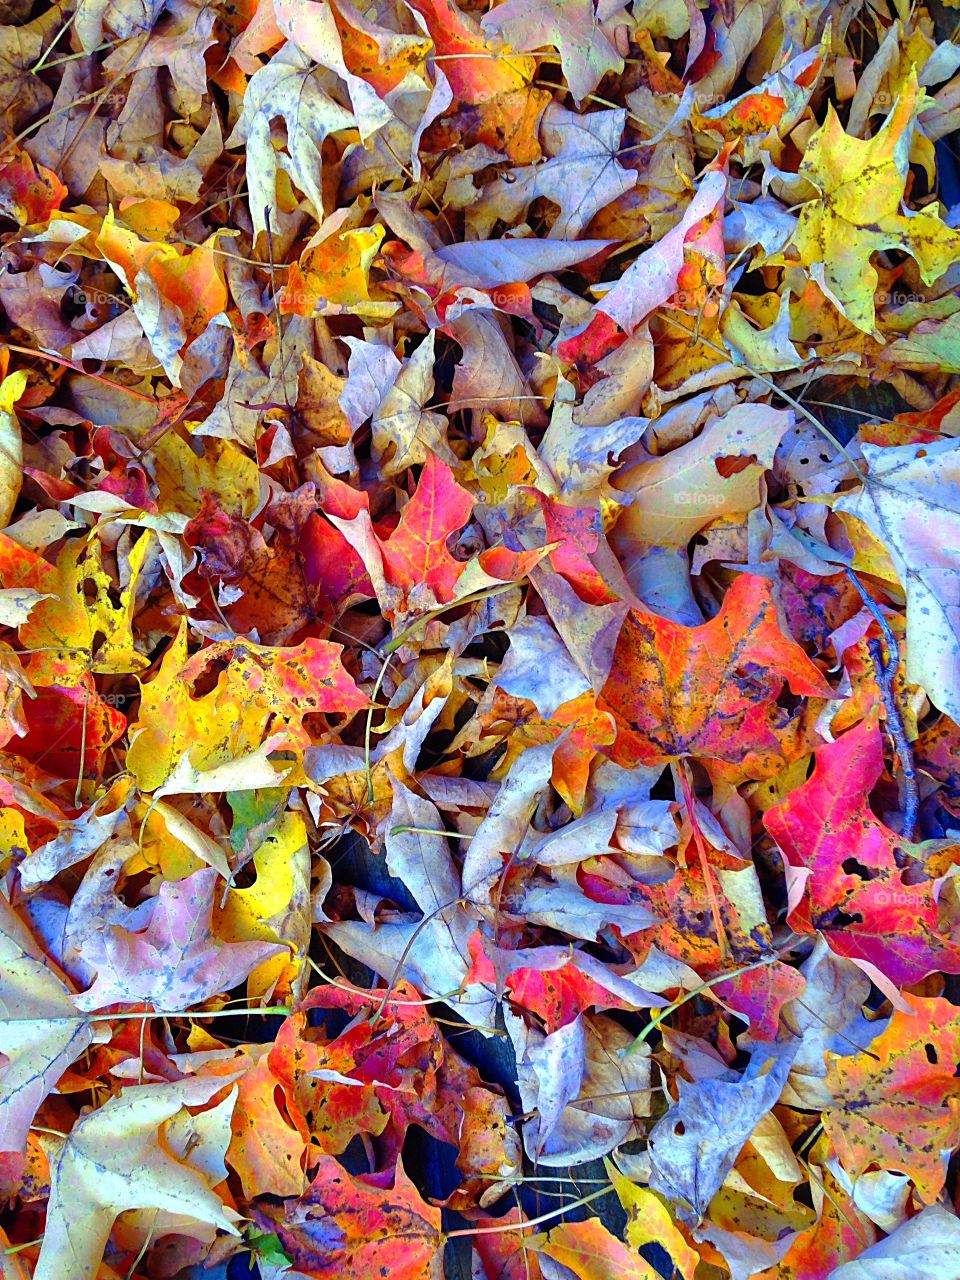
[[333, 1109], [592, 1252], [342, 1226], [293, 682], [29, 193], [489, 1147], [257, 692], [376, 54], [815, 606], [848, 880], [752, 114], [688, 933], [416, 552], [86, 622], [508, 123], [897, 1103], [709, 691], [682, 902], [937, 752], [420, 1080], [313, 678]]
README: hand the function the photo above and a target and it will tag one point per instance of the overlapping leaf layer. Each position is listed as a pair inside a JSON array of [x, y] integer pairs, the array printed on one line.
[[479, 640]]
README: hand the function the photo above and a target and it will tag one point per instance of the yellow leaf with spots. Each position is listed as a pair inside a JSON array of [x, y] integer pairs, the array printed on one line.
[[79, 628], [318, 403], [649, 1222], [185, 469], [13, 837], [861, 185], [261, 691], [504, 461], [333, 277]]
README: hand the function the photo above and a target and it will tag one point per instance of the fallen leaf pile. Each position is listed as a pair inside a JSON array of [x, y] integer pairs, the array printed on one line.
[[480, 669]]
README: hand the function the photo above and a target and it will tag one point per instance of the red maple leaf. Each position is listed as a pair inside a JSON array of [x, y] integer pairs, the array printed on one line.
[[416, 552], [852, 876]]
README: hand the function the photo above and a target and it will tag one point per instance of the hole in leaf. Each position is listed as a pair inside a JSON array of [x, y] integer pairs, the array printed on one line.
[[854, 868], [732, 466], [656, 1256]]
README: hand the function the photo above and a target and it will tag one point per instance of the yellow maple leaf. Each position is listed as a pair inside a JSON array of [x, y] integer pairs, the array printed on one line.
[[862, 185], [78, 629], [262, 690]]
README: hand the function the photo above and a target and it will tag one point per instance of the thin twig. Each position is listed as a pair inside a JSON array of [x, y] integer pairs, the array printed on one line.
[[886, 667]]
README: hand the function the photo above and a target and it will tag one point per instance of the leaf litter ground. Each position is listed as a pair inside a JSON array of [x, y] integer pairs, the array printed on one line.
[[480, 675]]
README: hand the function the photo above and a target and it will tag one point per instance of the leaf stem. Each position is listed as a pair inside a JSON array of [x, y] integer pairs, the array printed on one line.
[[429, 831], [533, 1222], [263, 1012], [688, 995]]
